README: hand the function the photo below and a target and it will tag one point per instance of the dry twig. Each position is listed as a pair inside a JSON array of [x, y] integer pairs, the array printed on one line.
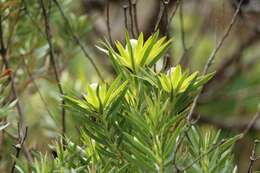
[[108, 21], [77, 40], [48, 33], [213, 56], [253, 158]]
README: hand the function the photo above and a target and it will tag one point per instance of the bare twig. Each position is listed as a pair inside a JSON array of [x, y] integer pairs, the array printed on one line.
[[253, 157], [254, 38], [22, 132], [3, 52], [18, 148], [163, 23], [160, 16], [183, 59], [52, 58], [166, 18], [184, 47], [77, 40], [108, 21], [252, 122], [125, 16], [135, 17], [213, 55], [131, 18]]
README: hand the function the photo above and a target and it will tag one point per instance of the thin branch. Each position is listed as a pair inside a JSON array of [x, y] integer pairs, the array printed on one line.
[[213, 55], [22, 132], [166, 17], [131, 18], [183, 59], [125, 16], [253, 158], [254, 38], [52, 59], [18, 148], [77, 40], [135, 17], [108, 21], [3, 52], [252, 122], [160, 16], [184, 47], [163, 21]]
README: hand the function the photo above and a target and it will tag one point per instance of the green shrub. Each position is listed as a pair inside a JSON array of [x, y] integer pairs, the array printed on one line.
[[138, 122]]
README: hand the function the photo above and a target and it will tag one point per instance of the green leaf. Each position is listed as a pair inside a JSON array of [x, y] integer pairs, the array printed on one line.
[[130, 52], [139, 146], [147, 48]]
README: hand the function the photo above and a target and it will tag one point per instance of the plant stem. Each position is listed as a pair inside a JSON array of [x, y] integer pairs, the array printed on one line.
[[51, 53]]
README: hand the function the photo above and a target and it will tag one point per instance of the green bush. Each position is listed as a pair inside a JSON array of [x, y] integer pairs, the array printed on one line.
[[137, 123]]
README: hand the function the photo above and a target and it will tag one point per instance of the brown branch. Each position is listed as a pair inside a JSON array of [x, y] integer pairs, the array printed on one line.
[[108, 22], [166, 17], [135, 17], [160, 16], [22, 132], [252, 122], [77, 40], [213, 56], [183, 59], [125, 16], [220, 73], [253, 158], [18, 148], [162, 24], [131, 18], [48, 33], [184, 47], [3, 52]]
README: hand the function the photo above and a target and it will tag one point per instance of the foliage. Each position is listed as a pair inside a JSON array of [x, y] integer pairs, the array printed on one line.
[[135, 121], [136, 124]]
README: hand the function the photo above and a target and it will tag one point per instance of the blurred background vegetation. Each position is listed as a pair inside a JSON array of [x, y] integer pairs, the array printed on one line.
[[228, 101]]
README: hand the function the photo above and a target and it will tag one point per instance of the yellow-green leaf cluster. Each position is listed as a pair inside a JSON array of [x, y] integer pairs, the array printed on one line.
[[99, 96], [177, 81], [139, 53]]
